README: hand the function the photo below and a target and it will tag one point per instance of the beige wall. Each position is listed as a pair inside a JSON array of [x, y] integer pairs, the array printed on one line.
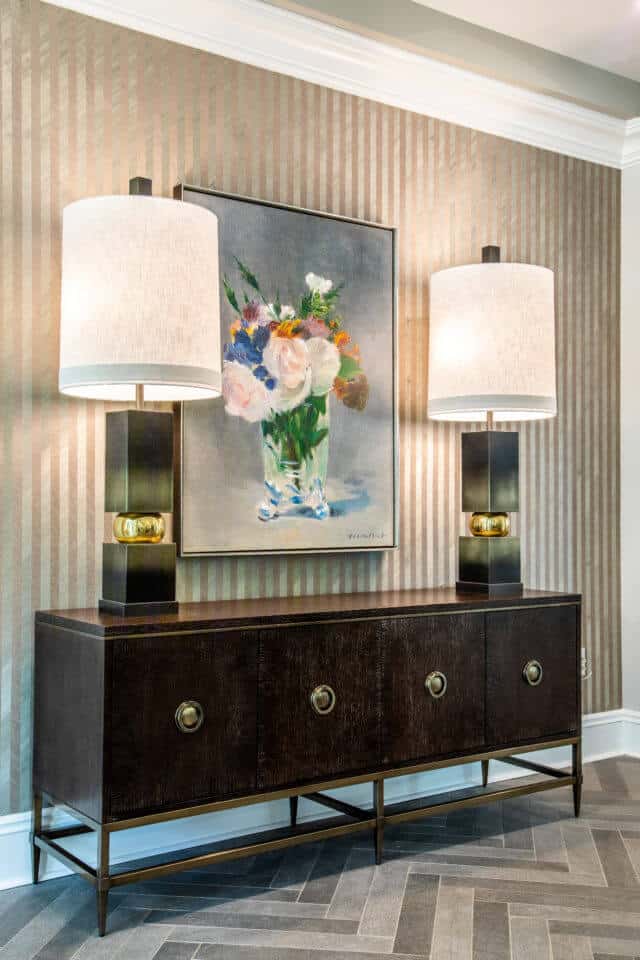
[[84, 106]]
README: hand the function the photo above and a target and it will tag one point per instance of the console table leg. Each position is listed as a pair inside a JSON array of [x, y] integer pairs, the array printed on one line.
[[102, 904], [36, 828], [293, 809], [576, 756], [485, 772], [378, 803], [102, 889]]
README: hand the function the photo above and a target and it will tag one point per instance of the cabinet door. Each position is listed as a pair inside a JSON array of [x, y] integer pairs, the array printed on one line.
[[516, 710], [151, 763], [417, 724], [296, 742]]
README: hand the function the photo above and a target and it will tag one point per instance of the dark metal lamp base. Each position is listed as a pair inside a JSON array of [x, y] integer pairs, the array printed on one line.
[[491, 589], [489, 565], [138, 609], [138, 579]]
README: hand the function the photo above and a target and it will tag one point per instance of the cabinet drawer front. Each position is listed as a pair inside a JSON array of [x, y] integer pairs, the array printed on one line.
[[516, 710], [153, 764], [415, 723], [296, 743]]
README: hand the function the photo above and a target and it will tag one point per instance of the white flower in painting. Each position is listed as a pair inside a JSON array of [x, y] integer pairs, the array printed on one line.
[[287, 359], [318, 284], [286, 312], [265, 316], [244, 395], [284, 399], [325, 363]]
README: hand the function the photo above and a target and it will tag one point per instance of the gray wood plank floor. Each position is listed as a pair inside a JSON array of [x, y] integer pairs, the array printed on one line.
[[521, 880]]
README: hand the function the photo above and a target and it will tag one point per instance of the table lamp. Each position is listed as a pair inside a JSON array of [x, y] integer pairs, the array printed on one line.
[[139, 319], [491, 358]]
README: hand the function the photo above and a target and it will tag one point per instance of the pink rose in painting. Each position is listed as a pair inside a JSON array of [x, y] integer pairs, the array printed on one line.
[[283, 399], [314, 327], [244, 395], [287, 360]]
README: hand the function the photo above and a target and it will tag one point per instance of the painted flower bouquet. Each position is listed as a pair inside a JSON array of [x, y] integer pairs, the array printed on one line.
[[280, 366]]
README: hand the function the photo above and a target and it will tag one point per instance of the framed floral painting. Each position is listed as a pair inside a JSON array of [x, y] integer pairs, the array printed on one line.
[[299, 454]]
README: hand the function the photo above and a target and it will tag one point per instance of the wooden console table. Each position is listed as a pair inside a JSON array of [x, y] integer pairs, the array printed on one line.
[[143, 720]]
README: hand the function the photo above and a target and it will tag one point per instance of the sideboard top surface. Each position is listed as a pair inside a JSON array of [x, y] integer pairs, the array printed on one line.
[[281, 610]]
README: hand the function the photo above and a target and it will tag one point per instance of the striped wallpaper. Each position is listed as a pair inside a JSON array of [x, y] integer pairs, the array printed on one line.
[[84, 106]]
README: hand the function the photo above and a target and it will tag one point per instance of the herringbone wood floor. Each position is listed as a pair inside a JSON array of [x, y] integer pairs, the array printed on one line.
[[518, 879]]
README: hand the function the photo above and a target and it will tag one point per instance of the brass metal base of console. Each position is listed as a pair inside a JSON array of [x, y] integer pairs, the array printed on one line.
[[352, 818]]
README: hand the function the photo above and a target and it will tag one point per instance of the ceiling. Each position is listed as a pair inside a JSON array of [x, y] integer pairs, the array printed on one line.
[[606, 35]]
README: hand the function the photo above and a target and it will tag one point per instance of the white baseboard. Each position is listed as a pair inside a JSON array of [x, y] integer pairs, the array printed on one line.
[[605, 734]]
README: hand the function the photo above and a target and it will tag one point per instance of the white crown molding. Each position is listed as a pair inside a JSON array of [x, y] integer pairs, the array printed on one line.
[[607, 734], [258, 33], [631, 149]]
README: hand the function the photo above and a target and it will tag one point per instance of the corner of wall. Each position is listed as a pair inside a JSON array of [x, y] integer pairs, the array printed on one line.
[[630, 419]]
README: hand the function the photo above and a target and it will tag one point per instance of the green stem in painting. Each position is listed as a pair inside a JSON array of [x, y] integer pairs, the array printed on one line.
[[295, 433]]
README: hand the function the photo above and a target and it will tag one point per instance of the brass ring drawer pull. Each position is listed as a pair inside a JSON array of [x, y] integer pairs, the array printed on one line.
[[189, 716], [436, 684], [532, 673], [323, 699]]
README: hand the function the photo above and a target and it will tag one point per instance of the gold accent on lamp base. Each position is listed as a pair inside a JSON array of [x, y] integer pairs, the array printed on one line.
[[139, 527], [489, 525]]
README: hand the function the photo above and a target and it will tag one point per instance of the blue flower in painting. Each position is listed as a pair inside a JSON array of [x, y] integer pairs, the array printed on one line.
[[235, 351], [261, 338], [243, 350], [261, 373]]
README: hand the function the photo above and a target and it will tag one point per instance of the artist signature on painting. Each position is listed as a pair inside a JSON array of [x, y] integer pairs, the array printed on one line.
[[365, 535]]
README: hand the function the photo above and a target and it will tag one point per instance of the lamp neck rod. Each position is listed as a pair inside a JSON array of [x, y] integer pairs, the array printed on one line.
[[491, 254], [489, 419], [140, 187], [139, 396]]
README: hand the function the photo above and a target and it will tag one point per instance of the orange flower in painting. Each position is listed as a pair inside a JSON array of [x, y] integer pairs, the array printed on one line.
[[341, 339], [288, 328], [353, 393]]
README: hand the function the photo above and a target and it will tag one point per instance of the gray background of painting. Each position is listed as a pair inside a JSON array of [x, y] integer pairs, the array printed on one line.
[[222, 455]]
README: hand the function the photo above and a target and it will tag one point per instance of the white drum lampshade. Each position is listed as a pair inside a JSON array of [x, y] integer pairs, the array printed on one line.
[[492, 343], [140, 301]]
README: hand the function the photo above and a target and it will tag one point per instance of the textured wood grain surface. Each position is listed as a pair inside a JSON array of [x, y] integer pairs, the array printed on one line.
[[69, 717], [151, 764], [515, 710], [108, 741], [415, 724], [84, 106], [220, 614], [295, 743]]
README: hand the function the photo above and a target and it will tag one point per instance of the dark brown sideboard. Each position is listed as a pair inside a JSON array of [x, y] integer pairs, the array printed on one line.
[[141, 720]]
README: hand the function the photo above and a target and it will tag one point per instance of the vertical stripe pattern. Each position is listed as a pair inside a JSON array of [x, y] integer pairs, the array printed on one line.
[[85, 105]]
